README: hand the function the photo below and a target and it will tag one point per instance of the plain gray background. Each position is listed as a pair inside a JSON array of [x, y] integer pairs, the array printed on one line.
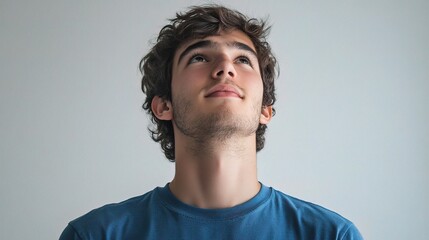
[[351, 131]]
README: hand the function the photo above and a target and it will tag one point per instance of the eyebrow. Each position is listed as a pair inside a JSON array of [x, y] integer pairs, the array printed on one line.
[[211, 44]]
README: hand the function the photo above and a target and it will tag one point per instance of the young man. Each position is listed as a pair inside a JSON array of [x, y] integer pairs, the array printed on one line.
[[209, 82]]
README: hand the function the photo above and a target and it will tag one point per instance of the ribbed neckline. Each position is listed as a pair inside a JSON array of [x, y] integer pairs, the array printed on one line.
[[174, 204]]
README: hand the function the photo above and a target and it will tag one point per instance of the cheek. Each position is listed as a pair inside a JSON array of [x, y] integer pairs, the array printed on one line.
[[188, 83], [254, 84]]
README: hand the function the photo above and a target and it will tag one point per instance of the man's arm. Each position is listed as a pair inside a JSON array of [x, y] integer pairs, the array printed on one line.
[[352, 233], [69, 233]]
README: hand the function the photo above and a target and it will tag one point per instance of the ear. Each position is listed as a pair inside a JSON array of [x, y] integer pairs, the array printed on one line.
[[162, 108], [266, 114]]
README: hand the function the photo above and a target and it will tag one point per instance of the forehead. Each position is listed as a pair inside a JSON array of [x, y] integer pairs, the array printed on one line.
[[221, 39]]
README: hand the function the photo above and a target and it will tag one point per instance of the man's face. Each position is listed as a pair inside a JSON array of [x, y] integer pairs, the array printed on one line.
[[217, 87]]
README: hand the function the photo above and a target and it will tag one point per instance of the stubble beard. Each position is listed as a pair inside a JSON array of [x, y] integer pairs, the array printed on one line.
[[218, 126]]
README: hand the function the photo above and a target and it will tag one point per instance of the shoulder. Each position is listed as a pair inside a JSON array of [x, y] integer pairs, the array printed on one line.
[[115, 211], [301, 208], [314, 219], [115, 216]]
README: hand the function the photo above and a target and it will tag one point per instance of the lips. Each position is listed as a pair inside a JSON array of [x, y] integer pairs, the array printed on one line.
[[224, 90]]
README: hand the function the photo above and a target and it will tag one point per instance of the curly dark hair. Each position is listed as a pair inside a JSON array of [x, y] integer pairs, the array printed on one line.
[[197, 23]]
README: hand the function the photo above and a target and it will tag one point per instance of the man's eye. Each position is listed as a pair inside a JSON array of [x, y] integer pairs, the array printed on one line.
[[197, 58], [243, 60]]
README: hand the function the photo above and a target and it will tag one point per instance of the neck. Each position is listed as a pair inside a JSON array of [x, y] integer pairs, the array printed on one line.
[[214, 174]]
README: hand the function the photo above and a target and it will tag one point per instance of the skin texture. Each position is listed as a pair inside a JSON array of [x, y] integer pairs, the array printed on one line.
[[216, 107]]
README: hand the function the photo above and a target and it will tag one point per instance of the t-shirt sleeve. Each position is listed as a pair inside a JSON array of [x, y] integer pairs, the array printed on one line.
[[352, 233], [69, 233]]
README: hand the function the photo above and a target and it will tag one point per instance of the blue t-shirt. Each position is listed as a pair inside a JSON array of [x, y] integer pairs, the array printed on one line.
[[158, 214]]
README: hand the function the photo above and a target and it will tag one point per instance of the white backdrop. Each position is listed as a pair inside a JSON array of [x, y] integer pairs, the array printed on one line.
[[351, 131]]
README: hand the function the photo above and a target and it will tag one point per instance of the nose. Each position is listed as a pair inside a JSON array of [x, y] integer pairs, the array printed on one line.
[[224, 68]]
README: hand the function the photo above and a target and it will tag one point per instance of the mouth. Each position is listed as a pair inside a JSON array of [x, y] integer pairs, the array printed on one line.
[[224, 90]]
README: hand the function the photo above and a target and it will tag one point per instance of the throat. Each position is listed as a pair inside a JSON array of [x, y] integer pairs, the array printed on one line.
[[215, 172]]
